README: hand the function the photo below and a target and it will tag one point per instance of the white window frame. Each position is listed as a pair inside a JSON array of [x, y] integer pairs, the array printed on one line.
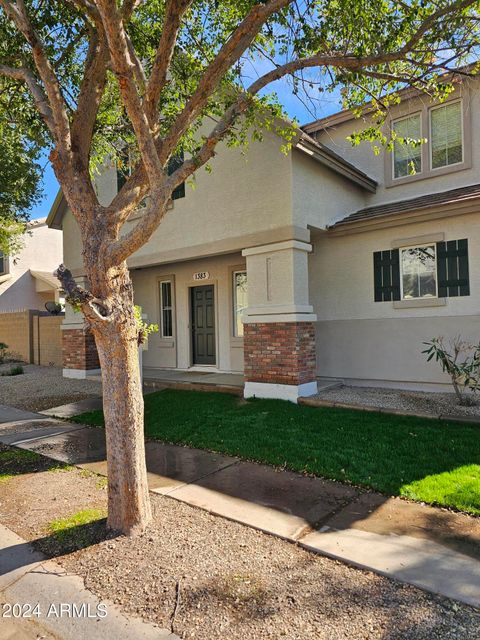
[[392, 128], [170, 308], [234, 301], [418, 246], [430, 146]]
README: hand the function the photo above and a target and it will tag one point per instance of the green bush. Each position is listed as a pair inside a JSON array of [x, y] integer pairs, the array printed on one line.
[[14, 371]]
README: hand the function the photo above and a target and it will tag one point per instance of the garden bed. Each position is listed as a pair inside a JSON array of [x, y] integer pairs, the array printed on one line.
[[40, 388], [423, 402]]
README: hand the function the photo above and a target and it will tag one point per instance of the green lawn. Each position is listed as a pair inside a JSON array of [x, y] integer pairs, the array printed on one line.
[[426, 460]]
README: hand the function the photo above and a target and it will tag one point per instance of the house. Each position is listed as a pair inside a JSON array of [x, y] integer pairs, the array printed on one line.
[[329, 262], [26, 280]]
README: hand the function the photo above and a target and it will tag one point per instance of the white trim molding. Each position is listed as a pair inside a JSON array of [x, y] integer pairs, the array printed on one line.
[[278, 246], [291, 392], [81, 374]]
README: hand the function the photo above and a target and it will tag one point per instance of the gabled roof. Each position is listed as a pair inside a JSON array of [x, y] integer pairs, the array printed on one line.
[[303, 143], [431, 200], [58, 210]]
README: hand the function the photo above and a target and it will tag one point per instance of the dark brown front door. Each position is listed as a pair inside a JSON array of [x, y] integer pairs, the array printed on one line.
[[203, 324]]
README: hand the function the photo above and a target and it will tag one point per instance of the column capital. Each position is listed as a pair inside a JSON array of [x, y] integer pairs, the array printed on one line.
[[278, 246]]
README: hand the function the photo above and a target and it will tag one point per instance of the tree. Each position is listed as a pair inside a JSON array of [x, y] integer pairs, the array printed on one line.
[[144, 75], [20, 186]]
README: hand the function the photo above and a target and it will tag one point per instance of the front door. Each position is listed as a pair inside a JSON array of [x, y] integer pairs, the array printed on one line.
[[203, 324]]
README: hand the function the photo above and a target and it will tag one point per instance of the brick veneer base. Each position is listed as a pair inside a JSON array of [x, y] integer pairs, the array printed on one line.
[[79, 350], [280, 352]]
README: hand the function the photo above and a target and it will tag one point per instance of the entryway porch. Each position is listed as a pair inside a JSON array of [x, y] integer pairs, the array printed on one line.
[[197, 380]]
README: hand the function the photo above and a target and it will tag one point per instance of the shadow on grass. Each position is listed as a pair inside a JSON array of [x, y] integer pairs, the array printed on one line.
[[15, 462], [73, 538]]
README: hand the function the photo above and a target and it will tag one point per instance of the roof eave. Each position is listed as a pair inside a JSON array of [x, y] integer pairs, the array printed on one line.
[[398, 218], [336, 163], [54, 218]]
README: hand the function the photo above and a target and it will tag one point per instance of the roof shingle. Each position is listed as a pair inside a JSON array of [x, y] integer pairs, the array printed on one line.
[[421, 202]]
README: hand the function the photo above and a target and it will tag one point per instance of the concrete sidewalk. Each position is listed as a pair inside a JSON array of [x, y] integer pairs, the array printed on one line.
[[41, 586], [431, 548]]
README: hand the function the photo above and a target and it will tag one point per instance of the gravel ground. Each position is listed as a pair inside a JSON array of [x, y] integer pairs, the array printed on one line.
[[418, 401], [40, 388], [224, 580]]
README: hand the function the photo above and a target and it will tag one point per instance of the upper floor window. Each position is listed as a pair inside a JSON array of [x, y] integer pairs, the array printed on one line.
[[407, 158], [432, 141], [124, 169], [446, 135]]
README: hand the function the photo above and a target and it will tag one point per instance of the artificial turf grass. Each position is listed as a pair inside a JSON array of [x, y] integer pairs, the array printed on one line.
[[425, 460]]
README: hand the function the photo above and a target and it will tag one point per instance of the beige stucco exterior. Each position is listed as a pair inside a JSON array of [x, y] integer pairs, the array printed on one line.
[[379, 166], [271, 214], [381, 342], [42, 252]]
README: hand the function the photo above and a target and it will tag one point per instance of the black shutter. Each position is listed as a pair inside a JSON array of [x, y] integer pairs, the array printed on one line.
[[386, 275], [173, 164], [452, 268]]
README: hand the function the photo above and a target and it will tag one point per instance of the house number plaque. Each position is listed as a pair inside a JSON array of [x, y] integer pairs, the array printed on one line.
[[201, 275]]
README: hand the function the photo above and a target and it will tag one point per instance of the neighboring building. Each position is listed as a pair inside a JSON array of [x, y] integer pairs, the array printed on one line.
[[328, 262], [26, 280]]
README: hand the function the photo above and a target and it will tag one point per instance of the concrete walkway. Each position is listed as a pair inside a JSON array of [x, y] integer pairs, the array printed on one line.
[[434, 549], [27, 577]]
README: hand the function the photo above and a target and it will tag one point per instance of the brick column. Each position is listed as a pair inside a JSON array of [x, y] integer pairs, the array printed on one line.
[[79, 352], [280, 352], [279, 324]]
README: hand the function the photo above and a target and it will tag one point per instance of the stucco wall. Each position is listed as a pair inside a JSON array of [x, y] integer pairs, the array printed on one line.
[[238, 204], [176, 352], [362, 339], [363, 157], [42, 252], [320, 195]]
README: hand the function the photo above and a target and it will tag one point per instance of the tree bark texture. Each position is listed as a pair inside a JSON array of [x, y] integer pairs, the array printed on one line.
[[116, 337]]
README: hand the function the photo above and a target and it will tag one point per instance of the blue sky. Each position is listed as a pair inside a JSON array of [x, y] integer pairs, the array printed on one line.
[[293, 106]]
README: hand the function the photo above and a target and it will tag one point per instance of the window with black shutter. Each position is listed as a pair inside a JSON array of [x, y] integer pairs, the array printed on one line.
[[452, 268], [2, 263], [174, 163], [386, 274], [436, 270]]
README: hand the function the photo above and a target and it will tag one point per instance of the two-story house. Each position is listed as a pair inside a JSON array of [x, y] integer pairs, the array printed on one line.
[[26, 279], [328, 262]]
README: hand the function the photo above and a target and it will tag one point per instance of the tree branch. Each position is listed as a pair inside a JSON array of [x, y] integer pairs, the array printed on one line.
[[229, 53], [90, 96], [17, 12], [125, 71], [25, 75], [158, 77]]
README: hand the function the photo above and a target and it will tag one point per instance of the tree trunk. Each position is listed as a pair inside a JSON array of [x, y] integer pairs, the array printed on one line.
[[116, 337]]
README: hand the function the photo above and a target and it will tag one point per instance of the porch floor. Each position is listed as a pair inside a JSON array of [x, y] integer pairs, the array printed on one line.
[[174, 376]]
